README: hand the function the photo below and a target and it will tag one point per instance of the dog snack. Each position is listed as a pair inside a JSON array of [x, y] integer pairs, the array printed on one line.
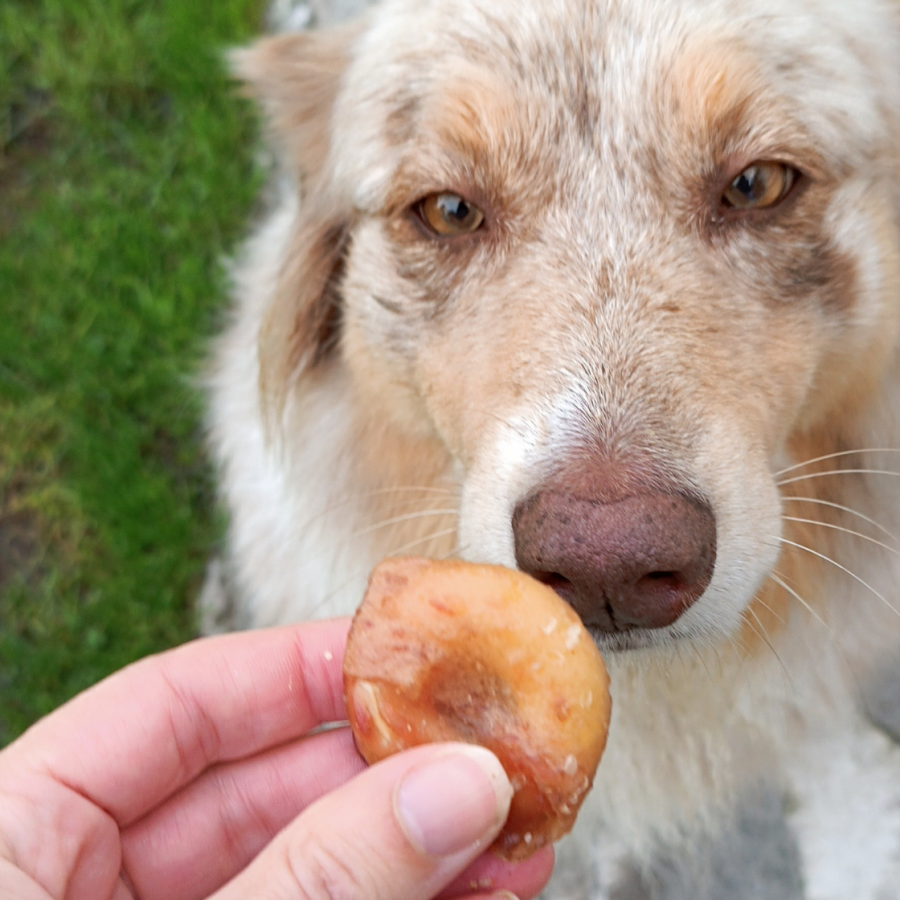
[[450, 651]]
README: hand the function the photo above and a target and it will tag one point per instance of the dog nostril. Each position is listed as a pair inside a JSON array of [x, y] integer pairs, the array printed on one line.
[[559, 583], [660, 584], [655, 580], [551, 579]]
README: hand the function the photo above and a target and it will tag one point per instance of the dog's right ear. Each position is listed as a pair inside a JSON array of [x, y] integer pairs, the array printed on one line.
[[297, 79]]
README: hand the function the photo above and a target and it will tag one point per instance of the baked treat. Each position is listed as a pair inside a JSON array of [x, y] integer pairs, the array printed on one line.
[[451, 651]]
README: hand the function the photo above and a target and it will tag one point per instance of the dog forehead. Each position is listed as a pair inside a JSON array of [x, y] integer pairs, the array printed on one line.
[[478, 80], [593, 77]]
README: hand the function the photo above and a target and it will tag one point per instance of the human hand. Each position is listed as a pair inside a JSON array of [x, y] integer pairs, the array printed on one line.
[[194, 773]]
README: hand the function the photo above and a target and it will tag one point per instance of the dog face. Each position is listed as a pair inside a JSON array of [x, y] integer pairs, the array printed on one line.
[[621, 261]]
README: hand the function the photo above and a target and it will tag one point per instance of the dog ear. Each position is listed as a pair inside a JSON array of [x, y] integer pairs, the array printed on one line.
[[301, 327], [297, 79]]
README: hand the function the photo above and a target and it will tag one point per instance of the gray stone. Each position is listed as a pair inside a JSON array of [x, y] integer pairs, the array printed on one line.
[[293, 15]]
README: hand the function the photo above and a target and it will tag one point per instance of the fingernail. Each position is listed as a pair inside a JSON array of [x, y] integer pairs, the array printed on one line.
[[453, 801]]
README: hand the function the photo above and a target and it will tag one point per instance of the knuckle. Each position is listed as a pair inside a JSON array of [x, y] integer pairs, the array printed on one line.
[[327, 869]]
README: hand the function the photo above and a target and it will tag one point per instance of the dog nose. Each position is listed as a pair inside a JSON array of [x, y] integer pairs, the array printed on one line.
[[635, 562]]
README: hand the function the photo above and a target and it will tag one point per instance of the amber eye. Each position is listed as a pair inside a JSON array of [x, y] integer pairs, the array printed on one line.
[[449, 214], [760, 186]]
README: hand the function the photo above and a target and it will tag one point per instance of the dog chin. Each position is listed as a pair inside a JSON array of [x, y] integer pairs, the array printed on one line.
[[624, 641], [658, 640]]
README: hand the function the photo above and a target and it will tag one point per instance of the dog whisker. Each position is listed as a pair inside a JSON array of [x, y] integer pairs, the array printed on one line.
[[849, 572], [766, 606], [457, 552], [354, 576], [399, 489], [845, 509], [835, 643], [838, 472], [679, 653], [764, 635], [418, 494], [397, 551], [714, 647], [406, 517], [785, 587], [699, 656], [809, 462], [695, 647], [423, 540], [850, 531], [412, 493]]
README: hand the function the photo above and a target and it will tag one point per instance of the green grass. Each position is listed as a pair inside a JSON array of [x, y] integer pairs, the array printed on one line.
[[126, 176]]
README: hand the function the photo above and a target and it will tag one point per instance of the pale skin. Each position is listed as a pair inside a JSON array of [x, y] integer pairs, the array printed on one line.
[[194, 774]]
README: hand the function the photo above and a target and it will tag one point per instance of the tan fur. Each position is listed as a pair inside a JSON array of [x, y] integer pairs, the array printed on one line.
[[611, 316], [297, 79]]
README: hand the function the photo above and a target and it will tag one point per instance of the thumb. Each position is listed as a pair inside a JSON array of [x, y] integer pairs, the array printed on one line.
[[401, 830]]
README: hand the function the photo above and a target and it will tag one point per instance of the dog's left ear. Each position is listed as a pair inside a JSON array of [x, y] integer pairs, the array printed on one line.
[[297, 79]]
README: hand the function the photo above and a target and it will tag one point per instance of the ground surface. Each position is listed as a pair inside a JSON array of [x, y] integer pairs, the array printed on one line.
[[126, 175]]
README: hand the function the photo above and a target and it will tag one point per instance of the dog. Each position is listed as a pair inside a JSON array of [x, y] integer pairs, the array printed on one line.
[[605, 290]]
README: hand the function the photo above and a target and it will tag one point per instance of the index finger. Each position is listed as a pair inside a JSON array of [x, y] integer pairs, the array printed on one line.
[[134, 739]]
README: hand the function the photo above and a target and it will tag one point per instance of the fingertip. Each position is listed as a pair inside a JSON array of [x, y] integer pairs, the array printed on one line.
[[453, 801], [525, 878]]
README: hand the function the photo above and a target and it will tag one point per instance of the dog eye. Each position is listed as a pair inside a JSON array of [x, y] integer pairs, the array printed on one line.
[[760, 186], [449, 214]]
